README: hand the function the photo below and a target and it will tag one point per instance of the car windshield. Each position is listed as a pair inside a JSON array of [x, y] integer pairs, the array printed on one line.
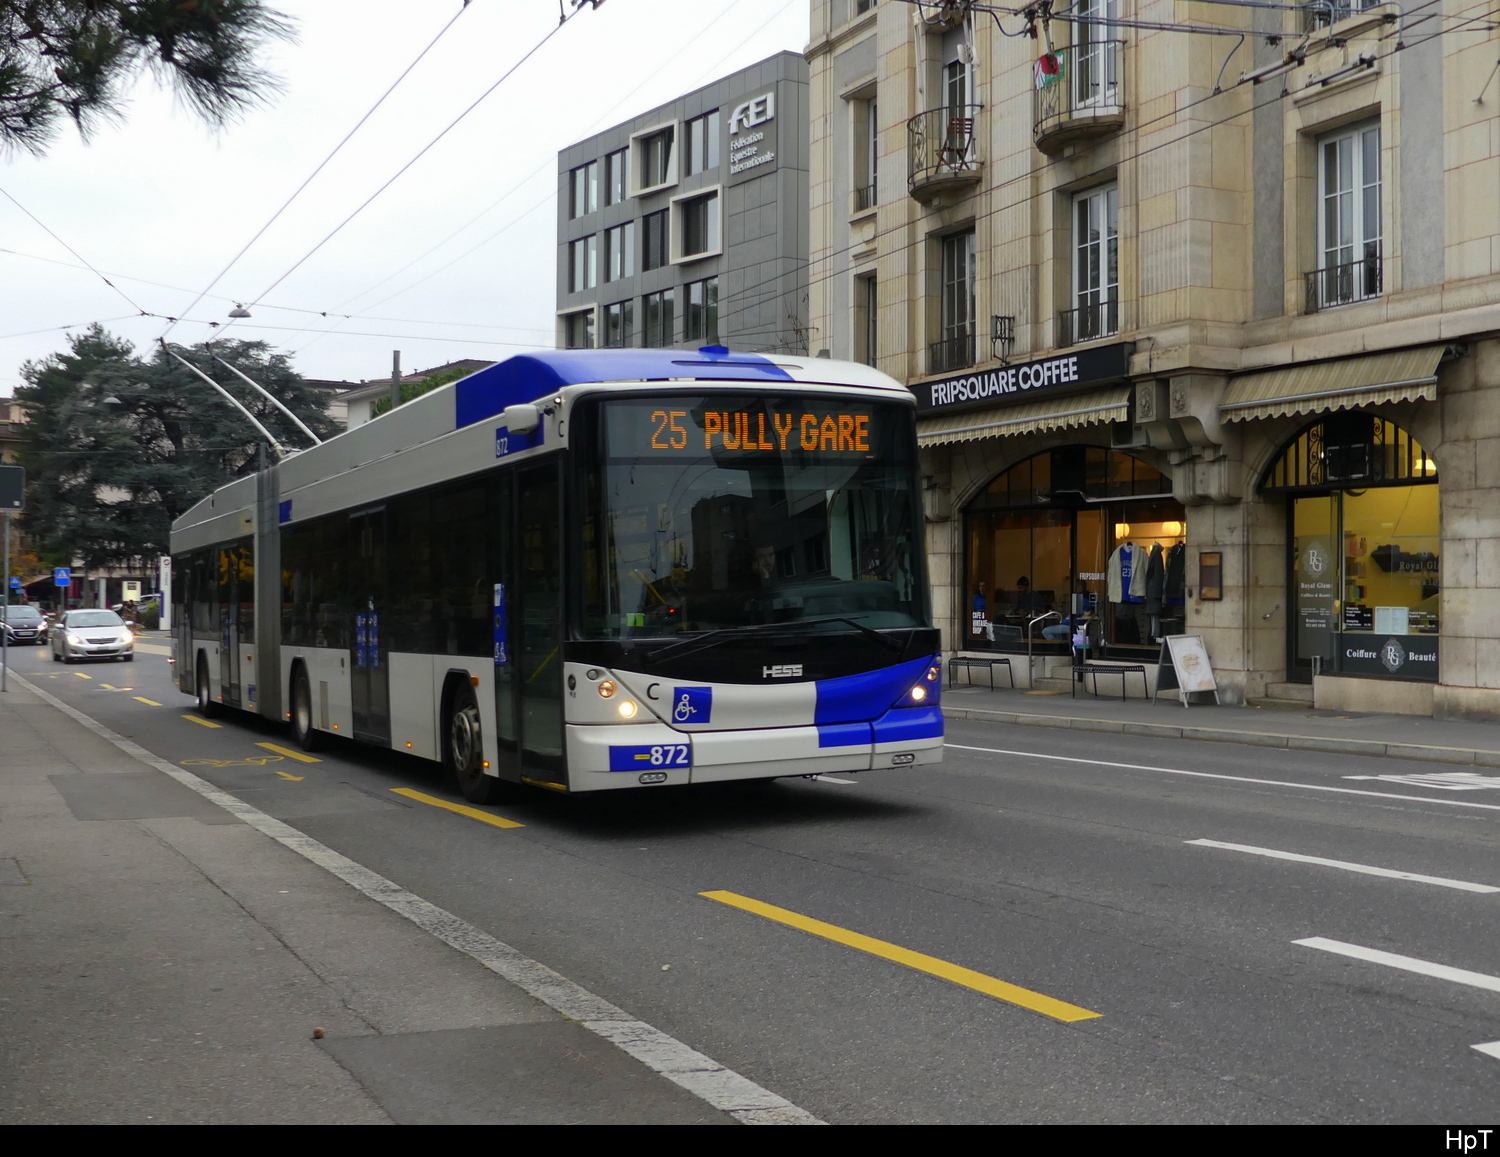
[[732, 511], [95, 619], [20, 614]]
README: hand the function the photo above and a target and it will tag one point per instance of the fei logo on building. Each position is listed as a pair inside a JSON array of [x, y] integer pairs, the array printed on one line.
[[692, 705], [753, 112]]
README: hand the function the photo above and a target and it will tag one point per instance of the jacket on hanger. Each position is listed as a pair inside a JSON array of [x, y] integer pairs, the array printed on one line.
[[1176, 574], [1156, 579]]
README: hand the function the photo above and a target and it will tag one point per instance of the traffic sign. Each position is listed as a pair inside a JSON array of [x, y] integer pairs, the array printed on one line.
[[12, 488], [14, 581], [62, 577]]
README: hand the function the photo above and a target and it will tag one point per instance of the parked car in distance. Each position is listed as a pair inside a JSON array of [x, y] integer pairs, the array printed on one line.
[[22, 624], [92, 635]]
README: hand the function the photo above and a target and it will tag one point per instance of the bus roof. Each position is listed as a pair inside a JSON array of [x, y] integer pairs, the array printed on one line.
[[526, 377]]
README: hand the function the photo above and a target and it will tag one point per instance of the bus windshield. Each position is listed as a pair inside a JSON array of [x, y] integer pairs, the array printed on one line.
[[721, 511]]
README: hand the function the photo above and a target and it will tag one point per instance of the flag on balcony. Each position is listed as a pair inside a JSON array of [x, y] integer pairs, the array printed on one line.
[[1048, 70]]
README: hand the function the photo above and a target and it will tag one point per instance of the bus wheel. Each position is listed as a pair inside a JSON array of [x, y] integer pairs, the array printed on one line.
[[204, 690], [465, 750], [308, 737]]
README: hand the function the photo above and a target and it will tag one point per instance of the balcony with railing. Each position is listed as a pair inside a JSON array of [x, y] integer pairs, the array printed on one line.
[[864, 198], [1088, 323], [943, 152], [1086, 99], [954, 352], [1344, 284]]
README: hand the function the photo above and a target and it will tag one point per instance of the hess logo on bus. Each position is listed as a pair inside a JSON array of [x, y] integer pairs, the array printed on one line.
[[782, 671]]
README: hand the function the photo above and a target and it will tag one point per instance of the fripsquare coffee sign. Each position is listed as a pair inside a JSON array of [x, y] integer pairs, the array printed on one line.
[[1097, 364]]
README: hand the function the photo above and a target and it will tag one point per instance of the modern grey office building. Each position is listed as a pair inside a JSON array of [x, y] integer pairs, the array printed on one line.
[[687, 225]]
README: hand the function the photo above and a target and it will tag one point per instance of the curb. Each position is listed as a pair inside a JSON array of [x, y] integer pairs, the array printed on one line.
[[1466, 756]]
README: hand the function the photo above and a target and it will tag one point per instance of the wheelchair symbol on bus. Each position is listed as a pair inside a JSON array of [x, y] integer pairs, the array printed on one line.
[[692, 704]]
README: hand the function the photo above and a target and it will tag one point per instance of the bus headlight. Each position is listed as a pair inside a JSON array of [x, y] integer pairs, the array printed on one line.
[[627, 709], [934, 673], [918, 693], [607, 688]]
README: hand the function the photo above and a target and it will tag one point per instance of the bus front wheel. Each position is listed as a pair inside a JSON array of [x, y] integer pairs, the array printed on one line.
[[308, 737], [465, 749]]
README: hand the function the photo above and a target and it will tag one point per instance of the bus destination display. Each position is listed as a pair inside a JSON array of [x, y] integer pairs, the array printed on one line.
[[708, 428]]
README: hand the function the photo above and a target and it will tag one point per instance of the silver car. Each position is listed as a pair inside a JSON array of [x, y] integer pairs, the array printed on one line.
[[91, 635]]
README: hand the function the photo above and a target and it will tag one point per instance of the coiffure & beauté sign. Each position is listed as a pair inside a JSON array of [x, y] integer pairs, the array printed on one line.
[[1092, 366]]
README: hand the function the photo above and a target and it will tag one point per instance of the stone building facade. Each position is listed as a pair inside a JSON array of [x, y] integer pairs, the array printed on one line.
[[1155, 286]]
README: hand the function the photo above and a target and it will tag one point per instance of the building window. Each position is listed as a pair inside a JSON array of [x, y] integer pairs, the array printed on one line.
[[866, 154], [619, 323], [579, 330], [865, 316], [698, 227], [654, 252], [654, 160], [661, 317], [863, 6], [619, 251], [583, 263], [616, 185], [1096, 267], [583, 196], [701, 321], [701, 143], [1349, 232], [955, 346]]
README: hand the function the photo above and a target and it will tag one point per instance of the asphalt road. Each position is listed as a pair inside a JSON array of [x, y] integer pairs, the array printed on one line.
[[1033, 932]]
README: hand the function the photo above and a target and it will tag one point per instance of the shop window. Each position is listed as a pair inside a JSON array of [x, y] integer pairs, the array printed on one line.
[[1077, 542], [1363, 560]]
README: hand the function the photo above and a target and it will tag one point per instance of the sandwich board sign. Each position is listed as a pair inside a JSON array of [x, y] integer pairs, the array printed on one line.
[[1184, 667]]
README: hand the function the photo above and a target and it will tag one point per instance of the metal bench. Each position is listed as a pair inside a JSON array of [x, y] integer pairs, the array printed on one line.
[[988, 663], [1097, 669]]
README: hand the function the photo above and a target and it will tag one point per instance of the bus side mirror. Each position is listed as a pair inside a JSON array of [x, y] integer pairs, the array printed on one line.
[[522, 419]]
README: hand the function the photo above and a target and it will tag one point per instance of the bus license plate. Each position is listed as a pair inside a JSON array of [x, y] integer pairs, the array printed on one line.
[[650, 757]]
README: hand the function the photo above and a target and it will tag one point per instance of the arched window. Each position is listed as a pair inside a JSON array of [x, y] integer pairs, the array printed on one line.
[[1364, 569], [1054, 545]]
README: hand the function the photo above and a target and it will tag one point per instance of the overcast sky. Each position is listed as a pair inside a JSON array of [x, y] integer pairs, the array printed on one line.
[[163, 199]]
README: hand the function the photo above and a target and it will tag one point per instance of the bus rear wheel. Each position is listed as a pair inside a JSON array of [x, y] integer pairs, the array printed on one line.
[[465, 750], [308, 737], [204, 690]]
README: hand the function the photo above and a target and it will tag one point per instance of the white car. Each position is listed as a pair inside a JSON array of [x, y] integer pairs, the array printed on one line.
[[91, 635]]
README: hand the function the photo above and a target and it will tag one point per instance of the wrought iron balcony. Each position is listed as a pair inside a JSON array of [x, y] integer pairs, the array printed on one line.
[[943, 152], [1088, 322], [1087, 100], [1344, 284], [864, 198], [952, 353]]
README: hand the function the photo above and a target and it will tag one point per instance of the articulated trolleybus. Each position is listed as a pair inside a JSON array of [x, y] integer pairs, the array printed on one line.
[[586, 570]]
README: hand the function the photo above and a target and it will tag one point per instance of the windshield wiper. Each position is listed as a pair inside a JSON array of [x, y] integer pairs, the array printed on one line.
[[700, 642]]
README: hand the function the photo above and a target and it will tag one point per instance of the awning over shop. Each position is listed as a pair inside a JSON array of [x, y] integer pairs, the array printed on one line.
[[1397, 376], [1090, 409]]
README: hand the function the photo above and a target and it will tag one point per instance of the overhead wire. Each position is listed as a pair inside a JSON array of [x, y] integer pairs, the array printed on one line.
[[285, 205], [87, 264]]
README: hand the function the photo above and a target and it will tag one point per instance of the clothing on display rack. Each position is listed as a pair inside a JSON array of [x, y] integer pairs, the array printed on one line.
[[1137, 590], [1176, 570]]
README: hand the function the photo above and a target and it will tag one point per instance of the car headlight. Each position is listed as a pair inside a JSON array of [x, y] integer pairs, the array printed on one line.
[[76, 640]]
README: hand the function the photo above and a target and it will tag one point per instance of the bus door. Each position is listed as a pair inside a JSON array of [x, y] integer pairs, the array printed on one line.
[[228, 563], [535, 619], [369, 669]]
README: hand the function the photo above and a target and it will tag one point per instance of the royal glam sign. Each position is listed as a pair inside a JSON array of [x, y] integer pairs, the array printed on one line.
[[1097, 364], [752, 138]]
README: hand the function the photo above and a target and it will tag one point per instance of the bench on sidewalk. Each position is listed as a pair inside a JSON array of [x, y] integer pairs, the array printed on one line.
[[989, 663], [1122, 670]]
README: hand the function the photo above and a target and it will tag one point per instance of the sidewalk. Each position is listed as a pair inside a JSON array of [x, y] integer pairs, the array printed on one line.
[[166, 961], [1305, 729]]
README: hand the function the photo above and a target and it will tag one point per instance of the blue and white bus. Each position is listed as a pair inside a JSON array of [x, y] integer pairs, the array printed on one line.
[[583, 570]]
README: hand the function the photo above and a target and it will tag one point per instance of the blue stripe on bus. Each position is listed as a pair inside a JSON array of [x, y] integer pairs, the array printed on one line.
[[868, 695], [844, 735], [527, 377], [903, 724]]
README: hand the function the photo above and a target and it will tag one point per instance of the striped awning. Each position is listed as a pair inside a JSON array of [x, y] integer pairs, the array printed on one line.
[[1091, 409], [1397, 376]]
